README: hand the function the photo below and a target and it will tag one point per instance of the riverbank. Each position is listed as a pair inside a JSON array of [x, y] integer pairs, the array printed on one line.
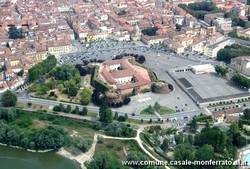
[[68, 155], [83, 157], [29, 150]]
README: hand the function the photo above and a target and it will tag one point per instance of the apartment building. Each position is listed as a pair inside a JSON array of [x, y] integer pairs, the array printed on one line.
[[241, 64], [212, 50]]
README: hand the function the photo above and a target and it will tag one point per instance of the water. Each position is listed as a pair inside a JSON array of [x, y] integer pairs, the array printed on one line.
[[248, 158], [11, 158]]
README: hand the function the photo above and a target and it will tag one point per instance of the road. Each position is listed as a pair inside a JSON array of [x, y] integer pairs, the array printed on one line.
[[95, 109]]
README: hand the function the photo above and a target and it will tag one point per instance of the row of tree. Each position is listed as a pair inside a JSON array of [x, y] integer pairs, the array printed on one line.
[[68, 109], [241, 81], [138, 58], [42, 68], [221, 70], [43, 139], [234, 34], [232, 51], [200, 9], [236, 21]]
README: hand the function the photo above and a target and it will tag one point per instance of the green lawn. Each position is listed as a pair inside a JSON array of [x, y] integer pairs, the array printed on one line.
[[165, 110], [203, 118], [161, 111], [91, 114], [146, 111]]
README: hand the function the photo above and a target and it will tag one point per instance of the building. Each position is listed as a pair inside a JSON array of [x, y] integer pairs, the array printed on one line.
[[122, 75], [208, 18], [150, 40], [212, 50], [175, 46], [230, 115], [222, 23], [244, 33], [241, 64], [59, 47], [201, 69]]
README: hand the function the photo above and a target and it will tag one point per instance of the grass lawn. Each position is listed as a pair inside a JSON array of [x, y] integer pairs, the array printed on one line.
[[118, 148], [161, 111], [146, 112], [135, 121], [165, 110], [33, 106], [91, 114], [203, 118]]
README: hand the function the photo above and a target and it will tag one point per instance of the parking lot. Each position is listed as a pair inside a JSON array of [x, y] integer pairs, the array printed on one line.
[[206, 86]]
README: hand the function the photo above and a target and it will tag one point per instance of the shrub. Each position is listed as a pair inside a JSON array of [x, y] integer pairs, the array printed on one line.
[[100, 139], [121, 119]]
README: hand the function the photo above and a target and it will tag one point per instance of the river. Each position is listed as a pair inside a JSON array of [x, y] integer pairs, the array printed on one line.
[[11, 158]]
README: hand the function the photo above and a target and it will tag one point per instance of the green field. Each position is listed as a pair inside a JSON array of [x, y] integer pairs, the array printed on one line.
[[161, 111]]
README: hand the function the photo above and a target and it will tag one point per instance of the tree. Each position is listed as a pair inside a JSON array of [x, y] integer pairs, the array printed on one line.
[[51, 84], [15, 33], [76, 110], [100, 139], [206, 152], [215, 137], [68, 109], [20, 73], [86, 96], [221, 70], [126, 101], [122, 12], [184, 152], [7, 45], [178, 27], [49, 138], [157, 106], [121, 119], [239, 140], [72, 90], [8, 99], [103, 160], [234, 128], [41, 68], [115, 116], [84, 111], [105, 113], [96, 96], [150, 31], [247, 114], [150, 109], [164, 145], [60, 87], [126, 116], [193, 126], [190, 139], [179, 138], [141, 59]]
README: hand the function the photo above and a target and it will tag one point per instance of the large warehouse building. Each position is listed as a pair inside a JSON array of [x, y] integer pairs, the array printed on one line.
[[201, 69]]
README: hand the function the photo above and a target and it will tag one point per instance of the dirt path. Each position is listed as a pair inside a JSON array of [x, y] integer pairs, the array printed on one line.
[[84, 157], [88, 155]]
